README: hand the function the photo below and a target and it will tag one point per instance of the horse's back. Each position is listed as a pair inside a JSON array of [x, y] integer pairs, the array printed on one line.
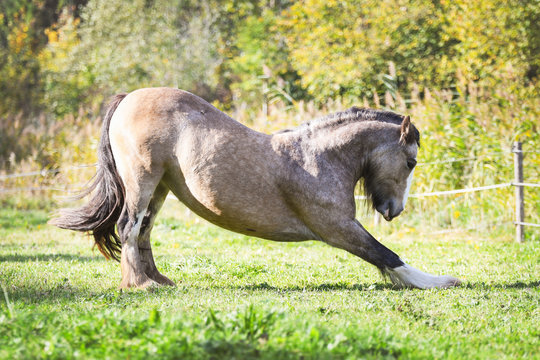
[[149, 109]]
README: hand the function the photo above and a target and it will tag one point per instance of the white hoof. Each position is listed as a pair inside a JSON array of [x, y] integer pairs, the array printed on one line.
[[407, 276]]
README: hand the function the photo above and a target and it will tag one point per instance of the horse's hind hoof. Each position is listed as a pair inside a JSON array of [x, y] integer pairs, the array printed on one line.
[[163, 280], [160, 278], [142, 283]]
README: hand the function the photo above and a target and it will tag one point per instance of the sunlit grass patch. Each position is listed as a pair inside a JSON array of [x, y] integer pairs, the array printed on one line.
[[241, 297]]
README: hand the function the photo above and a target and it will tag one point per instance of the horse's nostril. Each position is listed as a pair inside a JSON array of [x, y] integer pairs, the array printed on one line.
[[390, 210], [397, 211]]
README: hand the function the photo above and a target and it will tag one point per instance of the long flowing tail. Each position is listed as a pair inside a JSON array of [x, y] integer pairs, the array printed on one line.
[[100, 214]]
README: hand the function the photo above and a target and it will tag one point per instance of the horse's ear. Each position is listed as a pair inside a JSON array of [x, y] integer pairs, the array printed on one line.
[[407, 136]]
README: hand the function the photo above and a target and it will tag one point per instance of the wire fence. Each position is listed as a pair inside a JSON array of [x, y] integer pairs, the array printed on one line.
[[56, 171], [66, 189], [518, 184], [46, 172]]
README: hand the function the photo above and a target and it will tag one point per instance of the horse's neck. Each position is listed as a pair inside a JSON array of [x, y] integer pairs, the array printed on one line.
[[350, 146]]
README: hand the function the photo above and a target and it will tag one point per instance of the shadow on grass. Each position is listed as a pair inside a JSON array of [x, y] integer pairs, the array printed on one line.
[[48, 257], [66, 292], [60, 294], [515, 285], [325, 287], [328, 287]]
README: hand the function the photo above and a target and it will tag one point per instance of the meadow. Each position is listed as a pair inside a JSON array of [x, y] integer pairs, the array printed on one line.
[[245, 298]]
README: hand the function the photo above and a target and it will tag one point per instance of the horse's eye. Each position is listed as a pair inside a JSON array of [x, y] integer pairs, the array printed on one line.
[[411, 163]]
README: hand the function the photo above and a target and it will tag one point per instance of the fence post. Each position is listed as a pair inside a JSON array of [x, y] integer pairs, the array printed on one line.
[[265, 97], [267, 74], [518, 178], [376, 218]]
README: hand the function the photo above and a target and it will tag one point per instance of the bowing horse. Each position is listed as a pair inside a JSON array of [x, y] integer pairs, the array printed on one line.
[[293, 185]]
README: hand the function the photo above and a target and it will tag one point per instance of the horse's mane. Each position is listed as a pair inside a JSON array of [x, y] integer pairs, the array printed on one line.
[[356, 114]]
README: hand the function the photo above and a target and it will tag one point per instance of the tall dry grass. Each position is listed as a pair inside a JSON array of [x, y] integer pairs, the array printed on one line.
[[466, 139]]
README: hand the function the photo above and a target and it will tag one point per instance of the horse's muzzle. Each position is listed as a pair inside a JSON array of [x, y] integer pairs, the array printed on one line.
[[390, 209]]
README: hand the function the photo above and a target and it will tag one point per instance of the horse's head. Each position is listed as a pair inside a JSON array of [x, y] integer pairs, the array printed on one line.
[[391, 167]]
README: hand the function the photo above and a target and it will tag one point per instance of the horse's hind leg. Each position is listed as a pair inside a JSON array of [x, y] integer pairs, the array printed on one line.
[[145, 248], [140, 188]]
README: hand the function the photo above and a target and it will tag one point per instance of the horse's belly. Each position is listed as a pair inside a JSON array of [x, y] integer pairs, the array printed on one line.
[[268, 226], [259, 211], [267, 221]]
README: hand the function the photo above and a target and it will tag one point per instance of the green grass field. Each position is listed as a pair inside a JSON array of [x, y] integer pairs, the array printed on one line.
[[244, 298]]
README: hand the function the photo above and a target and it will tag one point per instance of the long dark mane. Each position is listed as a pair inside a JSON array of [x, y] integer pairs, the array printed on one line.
[[356, 114], [352, 115]]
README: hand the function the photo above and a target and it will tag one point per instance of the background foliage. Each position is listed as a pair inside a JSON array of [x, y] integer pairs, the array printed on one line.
[[467, 72]]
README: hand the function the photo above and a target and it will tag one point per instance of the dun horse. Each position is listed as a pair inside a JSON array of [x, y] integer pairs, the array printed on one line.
[[294, 185]]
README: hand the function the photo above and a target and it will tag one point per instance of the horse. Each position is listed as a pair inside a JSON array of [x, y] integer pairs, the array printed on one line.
[[293, 185]]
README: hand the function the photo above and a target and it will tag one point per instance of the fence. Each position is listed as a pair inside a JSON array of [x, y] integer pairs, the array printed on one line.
[[518, 183]]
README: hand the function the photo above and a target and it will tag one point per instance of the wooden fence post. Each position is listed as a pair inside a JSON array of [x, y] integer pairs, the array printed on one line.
[[518, 178], [267, 74], [376, 218], [265, 97]]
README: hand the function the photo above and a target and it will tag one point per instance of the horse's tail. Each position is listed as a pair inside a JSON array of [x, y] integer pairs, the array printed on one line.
[[100, 214]]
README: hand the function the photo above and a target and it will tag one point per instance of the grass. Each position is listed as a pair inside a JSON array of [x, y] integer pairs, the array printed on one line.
[[246, 298]]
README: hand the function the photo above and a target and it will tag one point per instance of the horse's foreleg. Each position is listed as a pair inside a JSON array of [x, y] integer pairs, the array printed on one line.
[[145, 248], [351, 236]]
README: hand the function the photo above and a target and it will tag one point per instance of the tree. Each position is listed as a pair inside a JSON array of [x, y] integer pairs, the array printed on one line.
[[127, 45], [344, 47]]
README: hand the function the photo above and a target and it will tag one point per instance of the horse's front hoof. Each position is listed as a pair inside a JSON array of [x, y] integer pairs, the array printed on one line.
[[409, 277], [449, 281]]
